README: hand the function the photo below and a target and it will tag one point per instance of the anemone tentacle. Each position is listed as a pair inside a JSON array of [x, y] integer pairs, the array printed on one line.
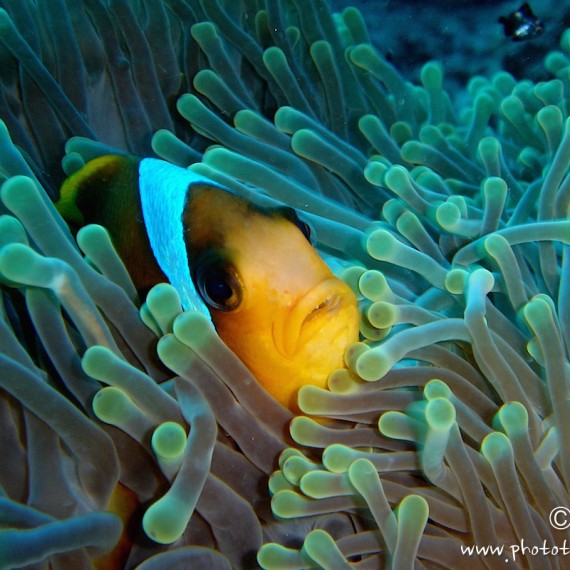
[[448, 427]]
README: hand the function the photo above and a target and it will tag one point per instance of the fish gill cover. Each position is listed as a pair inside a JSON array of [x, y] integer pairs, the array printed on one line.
[[449, 427]]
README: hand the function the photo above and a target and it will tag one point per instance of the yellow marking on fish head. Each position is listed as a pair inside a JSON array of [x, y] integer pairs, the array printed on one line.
[[273, 300]]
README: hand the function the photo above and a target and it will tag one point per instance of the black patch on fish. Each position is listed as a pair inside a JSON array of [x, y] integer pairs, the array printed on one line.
[[522, 24]]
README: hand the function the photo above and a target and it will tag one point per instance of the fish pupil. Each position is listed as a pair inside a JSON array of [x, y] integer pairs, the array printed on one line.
[[217, 288]]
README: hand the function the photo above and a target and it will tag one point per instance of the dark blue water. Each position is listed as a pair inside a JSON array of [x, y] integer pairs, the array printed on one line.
[[464, 35]]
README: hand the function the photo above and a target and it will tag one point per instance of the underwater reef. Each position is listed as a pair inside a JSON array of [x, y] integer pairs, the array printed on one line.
[[127, 421]]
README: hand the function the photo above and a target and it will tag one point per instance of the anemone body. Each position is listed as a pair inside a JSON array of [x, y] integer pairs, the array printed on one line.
[[448, 427]]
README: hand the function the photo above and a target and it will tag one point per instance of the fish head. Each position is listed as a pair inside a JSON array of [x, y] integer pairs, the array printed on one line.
[[272, 299]]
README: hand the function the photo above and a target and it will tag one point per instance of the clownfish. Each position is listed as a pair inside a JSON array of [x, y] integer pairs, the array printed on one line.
[[252, 270]]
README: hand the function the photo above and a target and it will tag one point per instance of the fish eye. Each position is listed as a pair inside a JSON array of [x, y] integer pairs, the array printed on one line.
[[291, 215], [218, 286], [305, 228]]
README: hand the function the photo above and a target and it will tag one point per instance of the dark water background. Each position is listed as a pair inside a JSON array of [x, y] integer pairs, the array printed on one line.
[[463, 35]]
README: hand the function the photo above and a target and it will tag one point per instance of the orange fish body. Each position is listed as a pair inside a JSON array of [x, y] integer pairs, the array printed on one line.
[[124, 503]]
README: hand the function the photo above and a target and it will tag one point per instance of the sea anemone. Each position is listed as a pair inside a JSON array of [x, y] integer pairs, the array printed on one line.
[[448, 428]]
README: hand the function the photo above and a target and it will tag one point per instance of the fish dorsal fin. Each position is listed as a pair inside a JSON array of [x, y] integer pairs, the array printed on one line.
[[163, 191]]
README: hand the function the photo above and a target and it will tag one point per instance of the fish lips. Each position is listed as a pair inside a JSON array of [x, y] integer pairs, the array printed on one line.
[[320, 311]]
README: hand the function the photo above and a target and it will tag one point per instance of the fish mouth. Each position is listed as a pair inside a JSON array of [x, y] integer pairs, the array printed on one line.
[[323, 300], [327, 305]]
